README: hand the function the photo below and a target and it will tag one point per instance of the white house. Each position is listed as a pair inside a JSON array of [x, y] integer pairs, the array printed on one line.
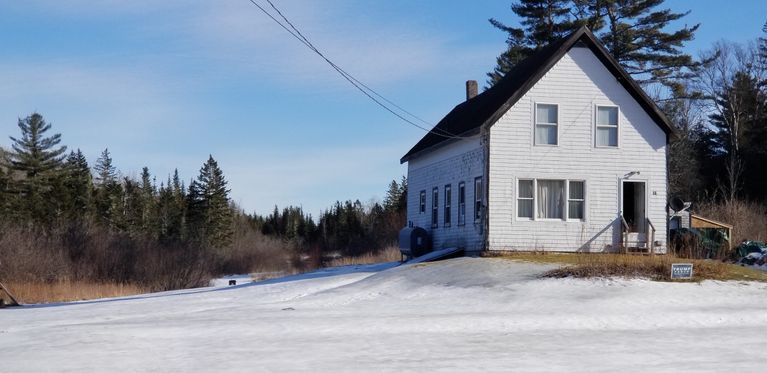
[[565, 153]]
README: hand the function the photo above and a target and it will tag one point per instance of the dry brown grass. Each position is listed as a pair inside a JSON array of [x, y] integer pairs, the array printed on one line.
[[65, 291], [389, 254], [655, 267]]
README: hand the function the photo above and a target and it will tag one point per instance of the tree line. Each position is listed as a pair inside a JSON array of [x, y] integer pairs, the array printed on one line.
[[348, 228], [41, 186], [63, 218]]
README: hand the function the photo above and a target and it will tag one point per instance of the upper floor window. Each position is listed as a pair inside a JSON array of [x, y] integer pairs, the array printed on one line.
[[607, 126], [546, 123]]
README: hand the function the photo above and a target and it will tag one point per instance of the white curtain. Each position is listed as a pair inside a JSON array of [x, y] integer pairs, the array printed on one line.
[[550, 198]]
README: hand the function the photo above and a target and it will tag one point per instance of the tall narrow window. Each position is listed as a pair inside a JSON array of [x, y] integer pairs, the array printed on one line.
[[434, 207], [448, 203], [422, 202], [525, 199], [546, 120], [461, 203], [477, 199], [607, 126], [575, 200], [551, 197]]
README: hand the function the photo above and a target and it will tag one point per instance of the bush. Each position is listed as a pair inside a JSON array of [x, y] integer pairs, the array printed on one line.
[[749, 219], [84, 252]]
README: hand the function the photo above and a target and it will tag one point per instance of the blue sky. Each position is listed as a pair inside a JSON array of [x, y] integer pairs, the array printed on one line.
[[163, 84]]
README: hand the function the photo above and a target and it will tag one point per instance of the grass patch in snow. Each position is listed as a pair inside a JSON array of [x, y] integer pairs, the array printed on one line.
[[655, 267], [66, 291], [389, 254]]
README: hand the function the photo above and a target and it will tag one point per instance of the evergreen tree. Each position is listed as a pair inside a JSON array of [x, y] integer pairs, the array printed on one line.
[[209, 212], [78, 184], [108, 194], [37, 159], [148, 219], [631, 30], [393, 195]]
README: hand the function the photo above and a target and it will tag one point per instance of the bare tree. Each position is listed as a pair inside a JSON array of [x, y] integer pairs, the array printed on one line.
[[726, 83]]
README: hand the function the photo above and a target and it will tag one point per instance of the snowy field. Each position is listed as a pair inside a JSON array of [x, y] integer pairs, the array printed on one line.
[[458, 315]]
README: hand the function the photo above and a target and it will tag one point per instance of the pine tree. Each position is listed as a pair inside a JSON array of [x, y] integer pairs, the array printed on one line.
[[108, 194], [37, 158], [78, 184], [147, 191], [209, 212], [631, 30], [393, 195]]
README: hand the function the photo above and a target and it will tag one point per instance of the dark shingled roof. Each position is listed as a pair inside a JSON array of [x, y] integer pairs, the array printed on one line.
[[487, 107]]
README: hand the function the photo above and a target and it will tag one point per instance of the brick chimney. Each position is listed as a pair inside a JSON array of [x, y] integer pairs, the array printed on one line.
[[471, 89]]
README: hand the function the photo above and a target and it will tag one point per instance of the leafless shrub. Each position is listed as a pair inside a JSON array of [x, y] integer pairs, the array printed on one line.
[[749, 219], [388, 254]]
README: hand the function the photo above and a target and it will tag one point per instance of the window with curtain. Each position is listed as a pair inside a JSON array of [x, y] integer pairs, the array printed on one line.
[[575, 200], [550, 195], [607, 126], [546, 121], [525, 199]]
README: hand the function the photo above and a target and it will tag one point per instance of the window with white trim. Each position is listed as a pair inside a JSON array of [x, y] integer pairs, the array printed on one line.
[[448, 203], [461, 203], [607, 126], [551, 199], [434, 207], [477, 199], [546, 123], [550, 195], [576, 199], [525, 199], [422, 202]]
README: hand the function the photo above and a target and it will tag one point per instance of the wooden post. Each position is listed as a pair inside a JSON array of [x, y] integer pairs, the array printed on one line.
[[14, 302]]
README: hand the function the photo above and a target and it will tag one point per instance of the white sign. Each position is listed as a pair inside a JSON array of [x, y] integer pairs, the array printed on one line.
[[681, 271]]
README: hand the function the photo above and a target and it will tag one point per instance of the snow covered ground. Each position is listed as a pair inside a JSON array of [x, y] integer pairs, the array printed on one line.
[[458, 315]]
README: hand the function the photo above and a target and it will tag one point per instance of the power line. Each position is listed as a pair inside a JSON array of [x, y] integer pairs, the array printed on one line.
[[293, 31]]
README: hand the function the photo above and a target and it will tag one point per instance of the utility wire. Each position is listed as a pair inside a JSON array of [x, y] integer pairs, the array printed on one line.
[[293, 31]]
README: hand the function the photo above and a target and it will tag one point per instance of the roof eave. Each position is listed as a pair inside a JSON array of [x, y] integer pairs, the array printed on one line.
[[407, 157]]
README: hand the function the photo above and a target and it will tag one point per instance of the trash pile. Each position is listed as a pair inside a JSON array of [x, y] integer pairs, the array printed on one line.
[[752, 254]]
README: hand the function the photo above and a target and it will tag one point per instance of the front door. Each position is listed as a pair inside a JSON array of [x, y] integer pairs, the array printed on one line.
[[634, 207]]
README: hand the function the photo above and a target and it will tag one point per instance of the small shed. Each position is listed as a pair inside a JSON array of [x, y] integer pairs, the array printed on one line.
[[711, 229]]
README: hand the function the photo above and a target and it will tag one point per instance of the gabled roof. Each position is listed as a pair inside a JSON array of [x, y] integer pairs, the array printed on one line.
[[487, 107]]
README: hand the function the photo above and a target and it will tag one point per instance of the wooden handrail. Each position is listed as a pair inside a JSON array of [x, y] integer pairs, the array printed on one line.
[[651, 241], [625, 223], [625, 233]]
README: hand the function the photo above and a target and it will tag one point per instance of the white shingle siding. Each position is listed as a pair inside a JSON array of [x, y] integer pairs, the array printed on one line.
[[577, 83], [459, 161]]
